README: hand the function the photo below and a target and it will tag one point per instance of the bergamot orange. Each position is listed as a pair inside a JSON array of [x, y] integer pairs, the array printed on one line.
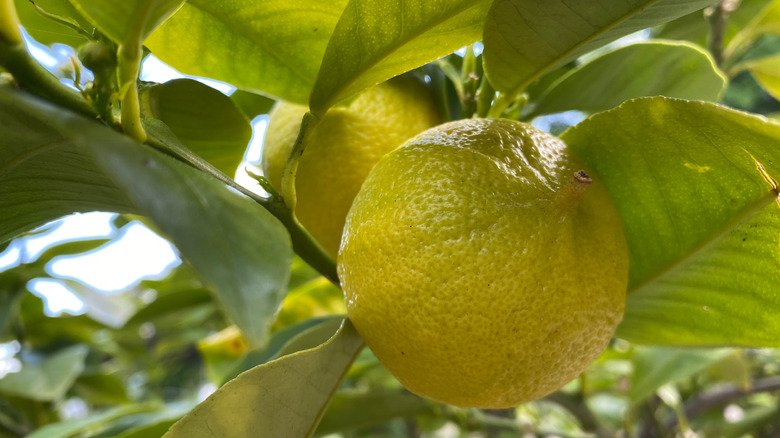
[[343, 148], [482, 266]]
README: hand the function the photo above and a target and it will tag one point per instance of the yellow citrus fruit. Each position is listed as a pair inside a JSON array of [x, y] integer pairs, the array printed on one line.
[[481, 266], [343, 148]]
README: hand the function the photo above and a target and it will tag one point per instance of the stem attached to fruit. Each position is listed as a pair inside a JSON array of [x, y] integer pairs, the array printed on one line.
[[129, 58], [303, 243], [570, 195], [308, 124]]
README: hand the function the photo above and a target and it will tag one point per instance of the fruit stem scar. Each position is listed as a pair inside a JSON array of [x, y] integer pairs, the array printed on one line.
[[569, 196]]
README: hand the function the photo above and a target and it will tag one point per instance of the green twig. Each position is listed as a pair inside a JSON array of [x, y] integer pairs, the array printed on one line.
[[129, 57], [736, 44], [308, 123], [485, 96], [35, 79], [303, 243], [469, 79], [499, 105], [65, 21], [717, 16], [9, 24], [26, 71]]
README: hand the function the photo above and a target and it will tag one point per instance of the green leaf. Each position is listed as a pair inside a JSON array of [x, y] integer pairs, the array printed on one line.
[[273, 46], [700, 219], [286, 397], [646, 69], [316, 298], [205, 120], [63, 163], [70, 248], [376, 40], [155, 430], [47, 31], [104, 389], [67, 429], [350, 411], [12, 290], [170, 303], [766, 21], [42, 331], [110, 309], [695, 27], [117, 18], [42, 176], [756, 418], [525, 38], [252, 104], [49, 379], [654, 367], [302, 336], [767, 73]]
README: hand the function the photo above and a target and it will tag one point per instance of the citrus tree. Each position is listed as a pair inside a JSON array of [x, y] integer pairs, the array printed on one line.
[[616, 275]]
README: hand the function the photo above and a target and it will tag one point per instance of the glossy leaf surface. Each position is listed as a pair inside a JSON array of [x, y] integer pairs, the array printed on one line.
[[647, 69], [273, 46], [376, 40], [767, 73], [286, 397], [351, 411], [700, 218], [49, 379], [67, 429], [526, 38], [64, 163], [47, 31], [117, 19], [205, 120], [658, 366]]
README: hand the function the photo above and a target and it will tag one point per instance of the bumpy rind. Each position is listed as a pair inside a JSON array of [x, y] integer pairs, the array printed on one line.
[[473, 272], [343, 148]]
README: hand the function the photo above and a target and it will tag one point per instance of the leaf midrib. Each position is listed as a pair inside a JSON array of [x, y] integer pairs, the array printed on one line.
[[221, 18], [582, 43], [31, 153], [703, 246], [328, 101]]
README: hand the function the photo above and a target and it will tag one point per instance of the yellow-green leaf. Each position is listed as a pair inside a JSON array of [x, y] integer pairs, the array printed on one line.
[[283, 398], [767, 73], [525, 38], [205, 120], [270, 46], [656, 68], [700, 216], [376, 40], [117, 18]]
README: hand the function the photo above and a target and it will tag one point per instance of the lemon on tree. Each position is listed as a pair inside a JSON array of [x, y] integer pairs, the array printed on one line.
[[343, 148], [482, 266]]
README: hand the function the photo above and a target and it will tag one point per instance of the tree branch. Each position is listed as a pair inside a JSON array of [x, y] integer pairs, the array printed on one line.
[[722, 395], [718, 16]]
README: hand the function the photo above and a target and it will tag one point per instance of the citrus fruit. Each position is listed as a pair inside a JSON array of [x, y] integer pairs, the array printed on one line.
[[482, 266], [343, 148]]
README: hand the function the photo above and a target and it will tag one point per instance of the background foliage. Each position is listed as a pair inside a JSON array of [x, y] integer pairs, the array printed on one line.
[[678, 122]]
